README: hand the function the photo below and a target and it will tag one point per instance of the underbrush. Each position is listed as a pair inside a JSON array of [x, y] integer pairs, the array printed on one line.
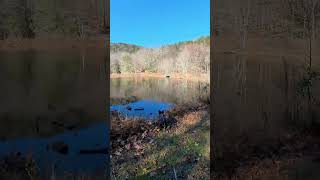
[[151, 150]]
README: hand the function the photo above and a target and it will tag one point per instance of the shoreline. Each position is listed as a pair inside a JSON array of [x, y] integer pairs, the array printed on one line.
[[53, 43], [191, 77], [139, 149]]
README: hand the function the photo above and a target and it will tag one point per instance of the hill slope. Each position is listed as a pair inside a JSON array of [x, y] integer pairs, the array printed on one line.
[[190, 57]]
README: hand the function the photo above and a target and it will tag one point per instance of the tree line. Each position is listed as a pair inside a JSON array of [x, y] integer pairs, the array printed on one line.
[[192, 57], [37, 18], [295, 19]]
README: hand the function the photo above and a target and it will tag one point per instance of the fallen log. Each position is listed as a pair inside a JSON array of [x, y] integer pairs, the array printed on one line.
[[94, 151], [139, 109]]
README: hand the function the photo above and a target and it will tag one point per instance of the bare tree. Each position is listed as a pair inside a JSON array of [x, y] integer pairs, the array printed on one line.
[[243, 22], [183, 60], [191, 57]]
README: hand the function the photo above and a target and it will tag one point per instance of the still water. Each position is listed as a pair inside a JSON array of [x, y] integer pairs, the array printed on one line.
[[144, 97], [50, 97], [53, 106]]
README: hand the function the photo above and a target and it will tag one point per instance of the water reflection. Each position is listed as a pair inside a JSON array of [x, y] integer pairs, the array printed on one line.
[[146, 98], [146, 109], [158, 89], [54, 96], [92, 138]]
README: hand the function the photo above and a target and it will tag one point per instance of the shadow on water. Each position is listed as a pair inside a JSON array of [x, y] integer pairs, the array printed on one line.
[[69, 156], [147, 109], [53, 107]]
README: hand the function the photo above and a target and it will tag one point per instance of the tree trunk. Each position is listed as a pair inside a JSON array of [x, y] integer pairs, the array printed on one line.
[[313, 18]]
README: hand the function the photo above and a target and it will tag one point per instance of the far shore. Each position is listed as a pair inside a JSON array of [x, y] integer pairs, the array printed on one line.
[[53, 43], [192, 77]]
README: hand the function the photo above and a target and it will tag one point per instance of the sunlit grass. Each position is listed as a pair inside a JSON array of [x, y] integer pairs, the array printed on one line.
[[185, 148]]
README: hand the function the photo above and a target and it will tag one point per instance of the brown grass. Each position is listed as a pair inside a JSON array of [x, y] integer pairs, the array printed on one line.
[[183, 147], [257, 104]]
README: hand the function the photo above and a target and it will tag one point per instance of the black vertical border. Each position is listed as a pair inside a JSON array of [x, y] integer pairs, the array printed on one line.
[[107, 98], [211, 106]]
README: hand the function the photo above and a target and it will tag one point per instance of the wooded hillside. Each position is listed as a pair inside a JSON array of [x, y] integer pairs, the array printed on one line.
[[190, 57]]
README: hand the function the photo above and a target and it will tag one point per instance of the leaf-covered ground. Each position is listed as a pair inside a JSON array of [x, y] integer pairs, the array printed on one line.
[[146, 150], [292, 156]]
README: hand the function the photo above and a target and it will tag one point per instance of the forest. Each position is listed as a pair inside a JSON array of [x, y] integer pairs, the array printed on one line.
[[265, 80], [190, 57], [32, 19]]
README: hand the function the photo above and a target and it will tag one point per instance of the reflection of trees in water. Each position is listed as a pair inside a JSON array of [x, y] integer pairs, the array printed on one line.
[[39, 75], [65, 79], [175, 91], [26, 69], [36, 84]]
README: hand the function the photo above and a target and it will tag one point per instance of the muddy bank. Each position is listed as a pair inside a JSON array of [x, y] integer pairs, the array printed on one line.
[[193, 77], [122, 100], [125, 133], [124, 130]]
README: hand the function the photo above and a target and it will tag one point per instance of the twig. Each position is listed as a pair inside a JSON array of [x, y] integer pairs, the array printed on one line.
[[175, 174]]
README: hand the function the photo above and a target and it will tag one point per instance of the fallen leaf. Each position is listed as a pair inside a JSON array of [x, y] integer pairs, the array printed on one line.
[[128, 146]]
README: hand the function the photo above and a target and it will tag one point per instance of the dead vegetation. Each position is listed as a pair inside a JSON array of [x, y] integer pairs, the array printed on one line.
[[264, 68], [148, 149], [245, 158], [191, 57], [18, 166]]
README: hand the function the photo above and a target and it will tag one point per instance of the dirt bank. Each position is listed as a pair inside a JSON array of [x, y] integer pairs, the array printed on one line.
[[192, 77]]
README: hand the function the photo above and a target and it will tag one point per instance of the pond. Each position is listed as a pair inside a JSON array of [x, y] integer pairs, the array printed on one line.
[[50, 111], [146, 97]]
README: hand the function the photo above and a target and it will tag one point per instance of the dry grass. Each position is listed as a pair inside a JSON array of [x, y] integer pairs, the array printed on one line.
[[257, 103], [183, 148], [255, 91]]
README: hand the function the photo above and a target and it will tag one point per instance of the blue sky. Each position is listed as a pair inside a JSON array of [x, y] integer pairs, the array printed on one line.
[[152, 23]]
